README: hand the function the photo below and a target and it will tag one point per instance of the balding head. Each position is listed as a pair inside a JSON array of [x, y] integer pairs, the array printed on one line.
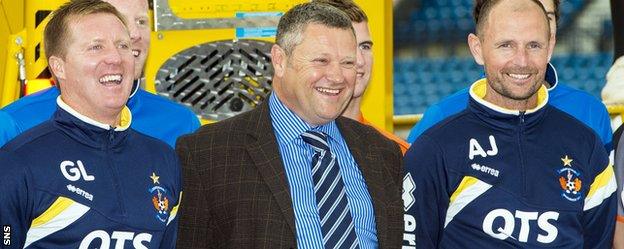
[[483, 9]]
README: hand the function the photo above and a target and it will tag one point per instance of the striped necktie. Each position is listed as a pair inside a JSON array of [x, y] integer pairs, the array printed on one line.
[[331, 198]]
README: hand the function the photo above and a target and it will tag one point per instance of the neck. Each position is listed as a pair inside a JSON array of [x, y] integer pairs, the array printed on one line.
[[113, 121], [112, 118], [353, 109], [512, 104]]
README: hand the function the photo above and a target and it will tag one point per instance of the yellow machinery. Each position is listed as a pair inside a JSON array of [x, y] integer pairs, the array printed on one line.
[[210, 55]]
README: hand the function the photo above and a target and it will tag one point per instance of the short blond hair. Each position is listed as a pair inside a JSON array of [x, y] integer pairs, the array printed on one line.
[[56, 35]]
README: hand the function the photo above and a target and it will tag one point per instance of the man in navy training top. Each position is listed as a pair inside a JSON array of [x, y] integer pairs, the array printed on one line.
[[152, 115], [510, 170], [84, 178], [577, 103]]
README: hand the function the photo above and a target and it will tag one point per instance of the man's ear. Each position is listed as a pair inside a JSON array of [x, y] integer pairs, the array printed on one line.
[[551, 46], [57, 66], [278, 56], [475, 48]]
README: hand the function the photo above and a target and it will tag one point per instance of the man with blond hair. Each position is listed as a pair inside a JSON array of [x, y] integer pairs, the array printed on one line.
[[153, 115], [85, 179]]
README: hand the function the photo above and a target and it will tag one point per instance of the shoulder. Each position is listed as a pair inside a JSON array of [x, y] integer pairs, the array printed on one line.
[[565, 120], [563, 94], [162, 105], [14, 173], [233, 129], [439, 111], [33, 138], [153, 145], [159, 152], [351, 129], [8, 163], [449, 125], [453, 103], [359, 128], [31, 103], [564, 125], [6, 122], [31, 110]]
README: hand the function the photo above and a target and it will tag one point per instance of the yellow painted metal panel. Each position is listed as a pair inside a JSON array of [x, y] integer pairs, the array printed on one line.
[[191, 9], [377, 105], [14, 10], [5, 32], [34, 43], [10, 85]]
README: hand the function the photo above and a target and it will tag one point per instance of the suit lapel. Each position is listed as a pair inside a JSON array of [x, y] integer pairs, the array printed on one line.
[[264, 152], [371, 166]]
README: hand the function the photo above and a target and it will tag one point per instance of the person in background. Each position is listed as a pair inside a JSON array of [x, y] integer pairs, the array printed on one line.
[[510, 170], [153, 115], [85, 178], [613, 91], [293, 173]]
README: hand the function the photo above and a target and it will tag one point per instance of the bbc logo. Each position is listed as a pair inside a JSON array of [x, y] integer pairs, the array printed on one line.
[[6, 235]]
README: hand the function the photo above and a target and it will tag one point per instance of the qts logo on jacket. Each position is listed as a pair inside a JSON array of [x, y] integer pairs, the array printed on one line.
[[159, 199], [501, 224], [569, 180], [121, 239]]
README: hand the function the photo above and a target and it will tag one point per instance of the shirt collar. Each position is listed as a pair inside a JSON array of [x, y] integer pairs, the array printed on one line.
[[289, 127], [551, 76], [136, 84], [479, 89], [126, 116]]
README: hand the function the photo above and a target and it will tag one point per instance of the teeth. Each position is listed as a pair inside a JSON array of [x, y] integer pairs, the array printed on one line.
[[325, 90], [115, 78], [519, 76], [136, 52]]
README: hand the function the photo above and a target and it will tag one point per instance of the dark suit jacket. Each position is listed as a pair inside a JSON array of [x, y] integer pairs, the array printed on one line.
[[236, 192]]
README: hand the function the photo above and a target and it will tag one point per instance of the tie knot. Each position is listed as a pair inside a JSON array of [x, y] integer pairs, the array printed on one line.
[[316, 139]]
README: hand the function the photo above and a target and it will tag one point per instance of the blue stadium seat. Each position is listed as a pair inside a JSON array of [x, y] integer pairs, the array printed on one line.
[[447, 20]]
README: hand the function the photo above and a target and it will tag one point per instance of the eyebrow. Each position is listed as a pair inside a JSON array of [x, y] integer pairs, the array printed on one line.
[[367, 43], [504, 41]]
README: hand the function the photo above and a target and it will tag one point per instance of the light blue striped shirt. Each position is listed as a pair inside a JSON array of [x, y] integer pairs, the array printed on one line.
[[297, 158]]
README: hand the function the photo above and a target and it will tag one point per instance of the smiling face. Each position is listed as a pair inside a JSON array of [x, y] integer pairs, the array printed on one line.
[[514, 53], [97, 70], [135, 13], [364, 58], [317, 79]]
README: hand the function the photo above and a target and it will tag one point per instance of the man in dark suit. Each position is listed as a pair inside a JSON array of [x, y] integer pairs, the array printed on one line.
[[291, 173]]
